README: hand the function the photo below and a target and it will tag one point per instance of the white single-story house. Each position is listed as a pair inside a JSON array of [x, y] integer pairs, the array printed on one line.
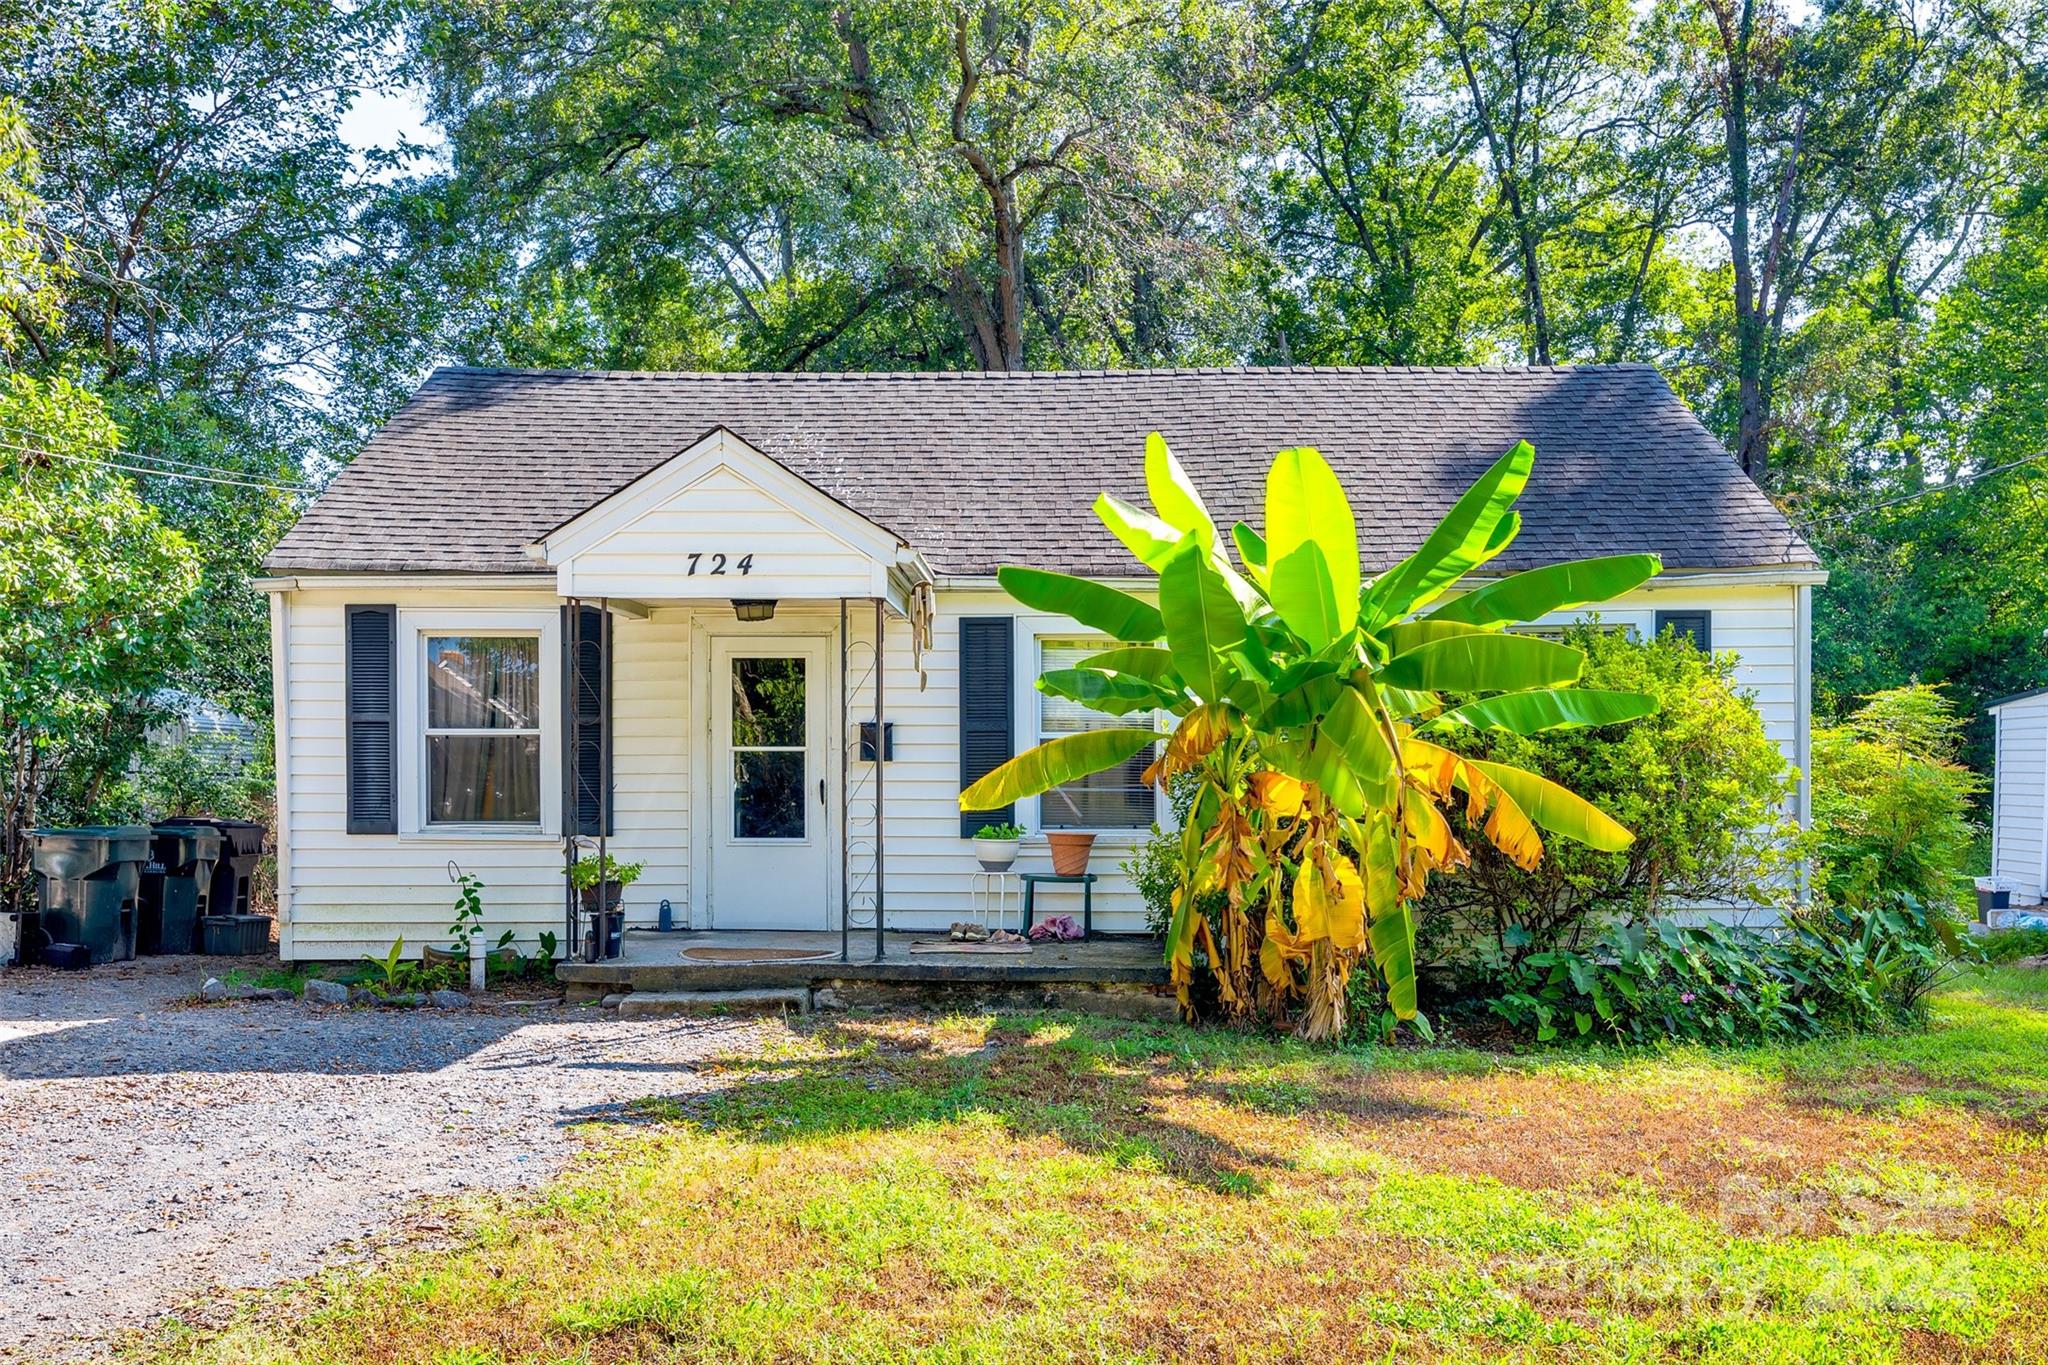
[[648, 605], [2019, 796]]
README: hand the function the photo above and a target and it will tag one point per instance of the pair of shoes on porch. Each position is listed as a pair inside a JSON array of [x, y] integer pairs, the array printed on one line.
[[1063, 927], [964, 931]]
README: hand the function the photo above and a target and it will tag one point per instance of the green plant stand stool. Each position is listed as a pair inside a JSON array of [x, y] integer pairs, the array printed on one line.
[[1086, 881]]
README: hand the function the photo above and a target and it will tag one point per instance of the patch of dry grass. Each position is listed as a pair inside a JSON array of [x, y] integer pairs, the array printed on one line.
[[1043, 1189]]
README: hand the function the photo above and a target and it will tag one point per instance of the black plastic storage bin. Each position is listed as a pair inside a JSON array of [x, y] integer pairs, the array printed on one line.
[[176, 888], [241, 848], [235, 935], [90, 879], [614, 935]]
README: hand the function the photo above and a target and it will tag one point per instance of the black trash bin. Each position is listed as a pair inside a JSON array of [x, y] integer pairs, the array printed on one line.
[[176, 888], [89, 882], [241, 848]]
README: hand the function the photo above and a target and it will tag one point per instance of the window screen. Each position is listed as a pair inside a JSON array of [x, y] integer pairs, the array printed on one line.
[[1117, 798]]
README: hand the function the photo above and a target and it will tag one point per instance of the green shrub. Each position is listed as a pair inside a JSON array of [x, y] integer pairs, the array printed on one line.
[[1891, 805], [1699, 783], [1844, 968], [2003, 946]]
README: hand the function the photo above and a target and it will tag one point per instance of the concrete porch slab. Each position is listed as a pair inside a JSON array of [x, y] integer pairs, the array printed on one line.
[[653, 961]]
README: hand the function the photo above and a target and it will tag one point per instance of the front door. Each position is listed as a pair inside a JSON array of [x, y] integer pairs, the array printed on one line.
[[772, 856]]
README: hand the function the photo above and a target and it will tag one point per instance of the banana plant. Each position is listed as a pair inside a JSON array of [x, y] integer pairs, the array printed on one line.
[[1309, 705]]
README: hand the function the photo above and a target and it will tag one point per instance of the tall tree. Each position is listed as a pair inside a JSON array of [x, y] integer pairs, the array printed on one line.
[[995, 184]]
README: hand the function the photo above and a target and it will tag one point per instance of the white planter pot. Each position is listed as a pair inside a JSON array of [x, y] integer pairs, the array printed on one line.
[[995, 855]]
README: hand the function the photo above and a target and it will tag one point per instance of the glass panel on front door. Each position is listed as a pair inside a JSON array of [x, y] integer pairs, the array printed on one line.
[[768, 749]]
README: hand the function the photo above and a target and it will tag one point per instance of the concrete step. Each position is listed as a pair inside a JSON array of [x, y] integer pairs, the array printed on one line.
[[658, 1004]]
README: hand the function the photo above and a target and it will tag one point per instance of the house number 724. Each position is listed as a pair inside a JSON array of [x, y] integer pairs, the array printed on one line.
[[718, 563]]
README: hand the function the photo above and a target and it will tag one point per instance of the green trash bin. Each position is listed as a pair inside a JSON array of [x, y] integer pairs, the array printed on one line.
[[90, 879], [176, 888], [241, 849]]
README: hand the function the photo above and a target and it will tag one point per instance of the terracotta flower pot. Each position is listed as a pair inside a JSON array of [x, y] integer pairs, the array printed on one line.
[[1070, 853]]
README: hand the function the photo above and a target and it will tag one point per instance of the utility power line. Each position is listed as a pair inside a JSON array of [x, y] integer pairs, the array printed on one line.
[[222, 479], [1951, 485]]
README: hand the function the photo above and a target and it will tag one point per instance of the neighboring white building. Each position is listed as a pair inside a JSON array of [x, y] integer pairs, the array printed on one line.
[[422, 614], [2019, 796]]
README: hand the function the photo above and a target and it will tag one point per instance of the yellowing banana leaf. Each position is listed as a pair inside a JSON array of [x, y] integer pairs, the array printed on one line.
[[1311, 904], [1344, 904], [1475, 529], [1143, 534], [1311, 547], [1528, 713], [1556, 587], [1202, 619], [1053, 763], [1507, 826], [1556, 809], [1277, 794], [1197, 735], [1113, 694], [1095, 605], [1429, 766], [1484, 663], [1173, 493]]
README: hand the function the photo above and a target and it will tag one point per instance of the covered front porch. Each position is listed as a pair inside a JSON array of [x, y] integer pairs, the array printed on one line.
[[755, 705]]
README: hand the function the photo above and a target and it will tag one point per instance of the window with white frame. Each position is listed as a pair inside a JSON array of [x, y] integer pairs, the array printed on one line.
[[1118, 798], [481, 731]]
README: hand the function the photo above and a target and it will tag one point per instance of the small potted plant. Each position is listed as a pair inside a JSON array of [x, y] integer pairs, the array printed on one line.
[[605, 870], [995, 846]]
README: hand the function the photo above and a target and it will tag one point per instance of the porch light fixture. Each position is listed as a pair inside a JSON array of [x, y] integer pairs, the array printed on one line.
[[754, 609]]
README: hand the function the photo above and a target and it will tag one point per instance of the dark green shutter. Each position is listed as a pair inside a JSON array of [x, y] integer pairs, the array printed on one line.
[[1698, 626], [587, 671], [987, 682], [370, 689]]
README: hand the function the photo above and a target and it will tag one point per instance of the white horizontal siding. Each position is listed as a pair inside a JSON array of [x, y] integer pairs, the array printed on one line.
[[352, 893], [349, 894], [2020, 798]]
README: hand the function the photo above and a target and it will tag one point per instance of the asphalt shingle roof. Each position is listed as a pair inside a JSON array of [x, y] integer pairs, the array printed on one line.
[[977, 470]]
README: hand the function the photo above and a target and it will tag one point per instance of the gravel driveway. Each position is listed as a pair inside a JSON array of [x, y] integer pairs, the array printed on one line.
[[151, 1150]]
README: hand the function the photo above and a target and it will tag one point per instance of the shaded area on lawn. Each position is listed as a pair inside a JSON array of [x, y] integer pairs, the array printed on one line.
[[1052, 1188]]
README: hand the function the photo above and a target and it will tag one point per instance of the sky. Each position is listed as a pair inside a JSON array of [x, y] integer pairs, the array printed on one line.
[[380, 117]]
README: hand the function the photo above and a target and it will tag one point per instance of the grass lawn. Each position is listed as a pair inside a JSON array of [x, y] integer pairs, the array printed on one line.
[[1028, 1188]]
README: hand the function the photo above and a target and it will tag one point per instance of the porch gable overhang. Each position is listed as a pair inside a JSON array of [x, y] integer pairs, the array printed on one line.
[[723, 521]]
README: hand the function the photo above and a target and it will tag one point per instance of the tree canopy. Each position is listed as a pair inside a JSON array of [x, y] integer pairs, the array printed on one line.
[[1824, 223]]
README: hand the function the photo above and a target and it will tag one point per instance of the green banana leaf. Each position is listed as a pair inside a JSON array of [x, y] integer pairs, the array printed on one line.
[[1403, 636], [1173, 493], [1149, 662], [1390, 928], [1053, 763], [1203, 620], [1312, 547], [1351, 724], [1095, 605], [1251, 549], [1560, 811], [1478, 527], [1484, 663], [1143, 534], [1528, 713], [1113, 694], [1556, 587]]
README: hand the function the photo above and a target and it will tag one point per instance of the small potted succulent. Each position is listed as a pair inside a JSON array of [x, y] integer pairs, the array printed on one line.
[[614, 876], [995, 846]]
